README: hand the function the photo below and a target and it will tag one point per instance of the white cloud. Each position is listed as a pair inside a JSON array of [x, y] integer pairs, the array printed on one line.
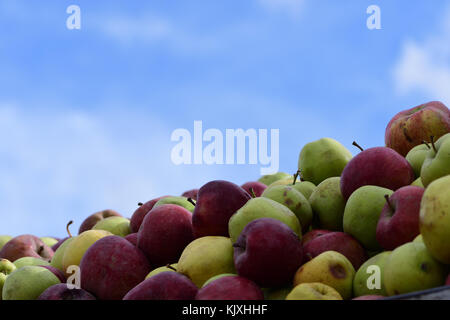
[[290, 7], [424, 66]]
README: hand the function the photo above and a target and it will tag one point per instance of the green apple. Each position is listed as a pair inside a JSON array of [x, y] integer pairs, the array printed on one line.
[[294, 200], [435, 219], [362, 212], [180, 201], [261, 207], [416, 156], [304, 187], [217, 277], [270, 178], [6, 268], [205, 258], [322, 159], [419, 238], [49, 241], [366, 271], [418, 182], [75, 250], [118, 226], [331, 268], [28, 283], [171, 268], [410, 268], [4, 240], [59, 254], [328, 204], [30, 261], [313, 291], [437, 161]]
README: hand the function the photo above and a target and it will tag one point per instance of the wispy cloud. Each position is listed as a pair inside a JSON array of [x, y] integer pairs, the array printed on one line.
[[424, 66]]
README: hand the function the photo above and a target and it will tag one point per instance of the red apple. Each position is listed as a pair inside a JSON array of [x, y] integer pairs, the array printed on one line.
[[410, 127], [257, 187], [58, 273], [191, 194], [26, 246], [311, 235], [59, 243], [230, 288], [133, 238], [380, 166], [399, 220], [447, 282], [164, 233], [140, 213], [62, 292], [217, 201], [164, 286], [369, 297], [336, 241], [111, 267], [268, 252], [92, 220]]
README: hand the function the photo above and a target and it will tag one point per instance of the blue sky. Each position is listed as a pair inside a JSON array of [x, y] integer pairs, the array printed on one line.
[[86, 115]]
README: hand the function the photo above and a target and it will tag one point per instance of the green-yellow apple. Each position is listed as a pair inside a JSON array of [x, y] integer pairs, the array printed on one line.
[[27, 283], [59, 255], [257, 208], [416, 156], [419, 238], [270, 178], [30, 261], [362, 212], [373, 269], [90, 221], [313, 291], [409, 128], [328, 204], [171, 268], [49, 241], [410, 268], [218, 277], [435, 219], [4, 240], [206, 257], [75, 250], [118, 226], [437, 161], [330, 268], [418, 183], [294, 200], [6, 268], [323, 159], [179, 201], [304, 187]]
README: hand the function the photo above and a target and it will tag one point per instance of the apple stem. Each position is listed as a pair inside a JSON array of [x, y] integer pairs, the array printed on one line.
[[171, 268], [191, 201], [386, 196], [252, 193], [432, 144], [67, 228], [140, 204], [426, 143], [357, 145]]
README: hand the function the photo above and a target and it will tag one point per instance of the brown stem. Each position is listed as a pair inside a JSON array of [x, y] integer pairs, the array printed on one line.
[[191, 201], [41, 248], [426, 143], [295, 177], [386, 196], [357, 145], [140, 204], [171, 268], [67, 228], [432, 144], [252, 193]]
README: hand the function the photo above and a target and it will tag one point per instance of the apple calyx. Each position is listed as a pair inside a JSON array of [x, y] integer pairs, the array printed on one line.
[[252, 193], [191, 201], [432, 144], [357, 145], [41, 248], [67, 228], [386, 196]]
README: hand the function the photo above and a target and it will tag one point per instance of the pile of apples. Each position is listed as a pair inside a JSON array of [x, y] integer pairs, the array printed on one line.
[[343, 227]]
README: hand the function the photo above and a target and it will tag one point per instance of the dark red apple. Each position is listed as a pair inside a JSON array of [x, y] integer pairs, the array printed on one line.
[[62, 292], [399, 219], [133, 238], [268, 252], [217, 201], [380, 166], [92, 220], [336, 241], [164, 233], [230, 288], [409, 128], [59, 243], [58, 273], [311, 235], [191, 194], [26, 246], [257, 187], [447, 282], [164, 286], [111, 267], [139, 215], [369, 297]]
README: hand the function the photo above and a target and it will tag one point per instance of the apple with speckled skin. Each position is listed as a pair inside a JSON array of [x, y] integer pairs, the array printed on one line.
[[26, 246], [92, 220], [140, 213], [62, 292], [230, 287]]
